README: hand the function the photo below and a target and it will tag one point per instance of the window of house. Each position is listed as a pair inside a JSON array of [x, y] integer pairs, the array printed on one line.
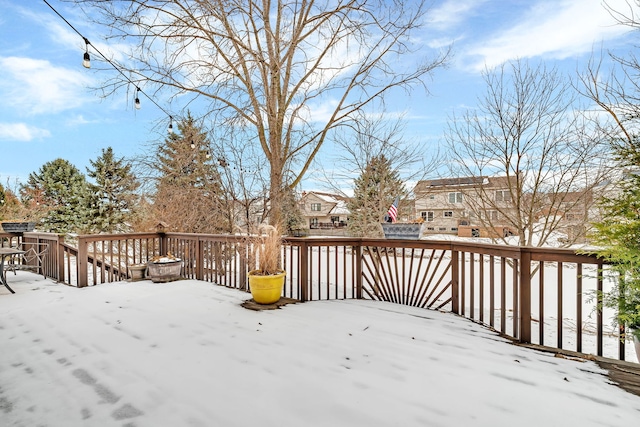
[[317, 207], [427, 216], [432, 196], [314, 222], [454, 228], [569, 217], [492, 215], [448, 214], [503, 196], [442, 229], [455, 197], [430, 229], [335, 219]]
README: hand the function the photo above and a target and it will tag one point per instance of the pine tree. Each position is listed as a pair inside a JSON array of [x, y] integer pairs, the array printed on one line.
[[188, 192], [114, 195], [60, 193], [293, 219], [618, 237], [375, 190]]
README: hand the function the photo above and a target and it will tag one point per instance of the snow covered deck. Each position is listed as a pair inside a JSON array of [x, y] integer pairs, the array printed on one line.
[[187, 353]]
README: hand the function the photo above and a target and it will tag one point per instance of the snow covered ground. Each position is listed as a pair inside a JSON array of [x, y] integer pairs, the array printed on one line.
[[186, 353]]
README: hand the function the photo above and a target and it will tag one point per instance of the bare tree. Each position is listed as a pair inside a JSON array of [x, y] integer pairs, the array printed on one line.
[[628, 15], [369, 141], [11, 208], [529, 130], [245, 184], [370, 137], [290, 70], [615, 90]]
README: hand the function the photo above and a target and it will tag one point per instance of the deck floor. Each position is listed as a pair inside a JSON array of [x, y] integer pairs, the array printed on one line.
[[624, 374]]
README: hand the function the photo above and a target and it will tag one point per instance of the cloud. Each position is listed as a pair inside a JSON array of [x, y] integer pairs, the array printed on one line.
[[452, 13], [21, 132], [79, 119], [64, 37], [35, 86], [556, 30]]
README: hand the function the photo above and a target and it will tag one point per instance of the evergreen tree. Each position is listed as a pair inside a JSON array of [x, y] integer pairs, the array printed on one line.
[[60, 193], [375, 190], [293, 219], [113, 194], [188, 192], [618, 236]]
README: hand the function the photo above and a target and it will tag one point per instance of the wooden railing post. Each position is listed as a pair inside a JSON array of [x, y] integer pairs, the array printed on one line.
[[61, 259], [599, 305], [82, 271], [304, 271], [244, 267], [359, 270], [455, 266], [525, 295], [199, 260], [163, 243]]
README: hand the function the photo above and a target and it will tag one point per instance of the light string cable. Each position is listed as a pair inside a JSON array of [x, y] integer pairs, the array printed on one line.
[[115, 67]]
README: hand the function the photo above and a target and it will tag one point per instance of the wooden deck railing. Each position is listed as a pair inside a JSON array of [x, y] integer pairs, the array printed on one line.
[[535, 295]]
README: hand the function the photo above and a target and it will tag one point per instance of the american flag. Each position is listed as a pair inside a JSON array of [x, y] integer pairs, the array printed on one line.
[[393, 211]]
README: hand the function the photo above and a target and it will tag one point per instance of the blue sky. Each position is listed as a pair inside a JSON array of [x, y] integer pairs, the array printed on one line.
[[48, 110]]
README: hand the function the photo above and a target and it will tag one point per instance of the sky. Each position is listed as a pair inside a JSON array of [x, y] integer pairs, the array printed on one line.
[[49, 110], [186, 353]]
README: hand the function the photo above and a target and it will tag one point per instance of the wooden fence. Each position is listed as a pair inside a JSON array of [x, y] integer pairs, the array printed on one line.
[[535, 295]]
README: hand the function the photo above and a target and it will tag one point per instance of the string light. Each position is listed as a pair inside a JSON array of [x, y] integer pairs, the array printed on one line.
[[170, 128], [86, 62]]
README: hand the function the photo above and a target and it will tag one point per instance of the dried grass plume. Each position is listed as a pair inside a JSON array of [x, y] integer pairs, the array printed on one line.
[[267, 246]]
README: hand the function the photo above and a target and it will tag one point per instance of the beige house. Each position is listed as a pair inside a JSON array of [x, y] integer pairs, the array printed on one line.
[[457, 205], [576, 213], [324, 210]]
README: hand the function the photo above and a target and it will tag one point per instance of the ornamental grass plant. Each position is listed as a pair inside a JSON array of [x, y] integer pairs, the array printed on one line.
[[266, 247]]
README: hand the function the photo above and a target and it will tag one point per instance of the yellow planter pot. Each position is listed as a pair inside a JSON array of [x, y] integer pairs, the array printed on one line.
[[266, 289]]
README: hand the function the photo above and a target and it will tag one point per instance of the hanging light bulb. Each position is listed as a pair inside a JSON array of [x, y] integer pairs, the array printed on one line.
[[193, 144], [137, 100], [170, 129], [86, 62], [208, 155]]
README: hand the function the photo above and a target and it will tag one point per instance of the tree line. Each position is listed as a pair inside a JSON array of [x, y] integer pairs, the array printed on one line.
[[261, 76], [183, 184]]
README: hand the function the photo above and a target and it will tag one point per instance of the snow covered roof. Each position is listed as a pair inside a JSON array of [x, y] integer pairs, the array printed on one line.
[[340, 209]]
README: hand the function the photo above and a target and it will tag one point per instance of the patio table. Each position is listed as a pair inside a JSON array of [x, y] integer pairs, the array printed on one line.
[[5, 254]]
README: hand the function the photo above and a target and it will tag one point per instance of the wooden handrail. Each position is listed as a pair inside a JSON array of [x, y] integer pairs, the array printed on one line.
[[492, 284]]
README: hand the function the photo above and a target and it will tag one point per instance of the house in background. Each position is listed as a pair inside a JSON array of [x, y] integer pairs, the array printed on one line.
[[577, 211], [324, 211], [455, 205]]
